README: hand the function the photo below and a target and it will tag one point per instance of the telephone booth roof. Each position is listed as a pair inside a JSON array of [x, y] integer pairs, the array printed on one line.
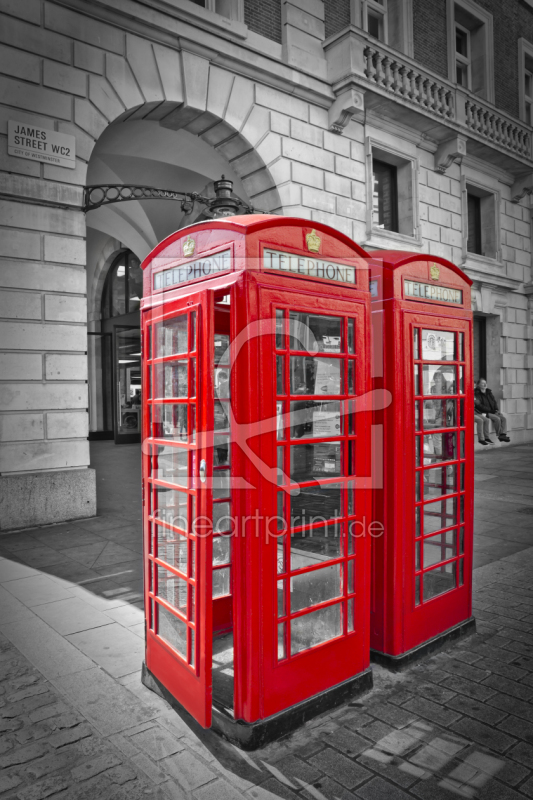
[[244, 242], [394, 259]]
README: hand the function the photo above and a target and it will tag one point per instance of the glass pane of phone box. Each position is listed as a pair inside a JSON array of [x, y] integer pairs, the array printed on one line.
[[438, 345], [313, 546], [316, 627], [316, 376], [315, 419], [310, 461], [316, 504], [315, 333]]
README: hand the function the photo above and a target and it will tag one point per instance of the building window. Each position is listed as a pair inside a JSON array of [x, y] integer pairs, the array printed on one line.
[[525, 66], [389, 21], [470, 47], [481, 231], [474, 224], [232, 9], [391, 193], [375, 12], [384, 196], [528, 95], [462, 56]]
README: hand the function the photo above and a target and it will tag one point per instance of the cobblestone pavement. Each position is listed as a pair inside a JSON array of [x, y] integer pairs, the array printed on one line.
[[76, 724]]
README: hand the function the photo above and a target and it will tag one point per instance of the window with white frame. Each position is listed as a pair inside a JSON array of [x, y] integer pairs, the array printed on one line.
[[389, 21], [375, 19], [528, 95], [390, 199], [470, 47], [525, 77], [232, 9], [462, 56]]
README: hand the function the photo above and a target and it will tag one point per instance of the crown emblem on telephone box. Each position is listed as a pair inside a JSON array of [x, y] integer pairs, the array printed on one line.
[[188, 246], [434, 272], [313, 242]]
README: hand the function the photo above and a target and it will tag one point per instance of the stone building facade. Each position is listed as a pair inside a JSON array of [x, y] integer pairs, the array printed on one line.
[[405, 124]]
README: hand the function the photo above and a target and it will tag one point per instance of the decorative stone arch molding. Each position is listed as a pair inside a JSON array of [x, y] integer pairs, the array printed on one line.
[[184, 90]]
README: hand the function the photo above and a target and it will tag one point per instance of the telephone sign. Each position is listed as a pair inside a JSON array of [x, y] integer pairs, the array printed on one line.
[[309, 267], [415, 290]]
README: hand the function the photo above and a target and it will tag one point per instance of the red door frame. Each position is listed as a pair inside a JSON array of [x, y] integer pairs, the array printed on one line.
[[325, 665], [223, 606], [190, 683], [423, 621]]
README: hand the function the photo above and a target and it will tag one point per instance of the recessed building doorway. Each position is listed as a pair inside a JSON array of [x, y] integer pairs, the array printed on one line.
[[116, 352], [479, 360], [141, 153]]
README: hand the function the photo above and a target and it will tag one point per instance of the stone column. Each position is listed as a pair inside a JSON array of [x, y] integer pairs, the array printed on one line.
[[44, 451], [303, 32]]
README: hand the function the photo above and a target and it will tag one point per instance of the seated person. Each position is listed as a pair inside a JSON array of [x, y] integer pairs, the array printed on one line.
[[486, 405], [482, 425]]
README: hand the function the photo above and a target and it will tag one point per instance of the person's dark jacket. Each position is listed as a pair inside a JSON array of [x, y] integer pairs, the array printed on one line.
[[485, 403]]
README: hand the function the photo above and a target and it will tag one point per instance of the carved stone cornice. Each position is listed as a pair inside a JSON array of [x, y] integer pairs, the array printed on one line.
[[496, 282]]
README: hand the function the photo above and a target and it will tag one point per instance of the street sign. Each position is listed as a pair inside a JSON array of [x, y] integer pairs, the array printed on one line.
[[39, 144]]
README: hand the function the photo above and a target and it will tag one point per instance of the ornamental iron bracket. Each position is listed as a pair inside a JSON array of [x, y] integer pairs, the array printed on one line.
[[223, 204]]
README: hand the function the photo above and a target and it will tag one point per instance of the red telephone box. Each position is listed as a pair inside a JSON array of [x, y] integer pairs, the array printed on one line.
[[256, 331], [422, 550]]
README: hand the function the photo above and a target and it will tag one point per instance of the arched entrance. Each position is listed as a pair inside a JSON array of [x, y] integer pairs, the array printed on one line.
[[115, 350], [195, 123]]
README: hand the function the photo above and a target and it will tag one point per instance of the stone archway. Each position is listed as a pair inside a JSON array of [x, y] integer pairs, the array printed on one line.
[[183, 93], [183, 90]]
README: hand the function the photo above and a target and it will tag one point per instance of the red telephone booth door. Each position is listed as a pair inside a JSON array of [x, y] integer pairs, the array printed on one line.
[[178, 412], [315, 575], [437, 590]]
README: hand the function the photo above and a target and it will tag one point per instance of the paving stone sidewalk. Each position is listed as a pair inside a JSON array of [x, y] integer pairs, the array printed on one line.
[[75, 722]]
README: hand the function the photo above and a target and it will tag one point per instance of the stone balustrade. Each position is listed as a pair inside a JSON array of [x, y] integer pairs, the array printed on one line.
[[493, 125], [374, 65], [410, 84]]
